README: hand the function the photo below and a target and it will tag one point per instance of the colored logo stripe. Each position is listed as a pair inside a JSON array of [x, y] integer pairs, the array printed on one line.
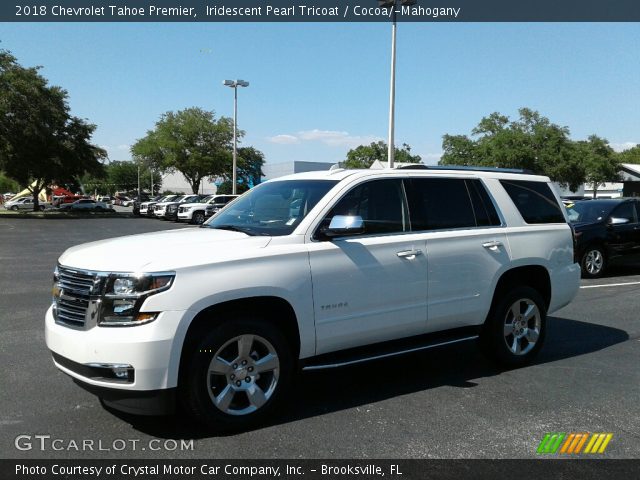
[[573, 443], [550, 442]]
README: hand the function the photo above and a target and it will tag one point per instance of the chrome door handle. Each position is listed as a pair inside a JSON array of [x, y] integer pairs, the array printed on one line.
[[409, 253], [493, 245]]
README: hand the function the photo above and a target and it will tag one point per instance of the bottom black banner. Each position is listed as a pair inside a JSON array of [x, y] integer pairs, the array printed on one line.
[[318, 469]]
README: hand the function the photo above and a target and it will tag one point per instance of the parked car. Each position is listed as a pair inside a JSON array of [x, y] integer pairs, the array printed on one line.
[[309, 271], [607, 232], [24, 203], [67, 199], [86, 204], [161, 209], [198, 212], [147, 208], [105, 199], [137, 201], [121, 200]]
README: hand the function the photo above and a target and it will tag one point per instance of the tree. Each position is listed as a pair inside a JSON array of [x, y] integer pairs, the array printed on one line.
[[249, 171], [120, 176], [190, 141], [631, 155], [601, 162], [364, 155], [40, 141], [531, 142], [8, 185]]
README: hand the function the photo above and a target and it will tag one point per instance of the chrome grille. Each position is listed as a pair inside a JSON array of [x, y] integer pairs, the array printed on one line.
[[72, 302]]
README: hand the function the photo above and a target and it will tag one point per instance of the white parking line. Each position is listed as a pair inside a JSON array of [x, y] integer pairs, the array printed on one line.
[[611, 285]]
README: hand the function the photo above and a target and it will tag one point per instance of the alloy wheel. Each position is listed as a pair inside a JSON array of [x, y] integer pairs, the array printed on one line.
[[593, 262], [243, 374], [522, 326]]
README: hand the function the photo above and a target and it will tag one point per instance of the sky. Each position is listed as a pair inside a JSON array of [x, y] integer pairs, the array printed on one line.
[[319, 89]]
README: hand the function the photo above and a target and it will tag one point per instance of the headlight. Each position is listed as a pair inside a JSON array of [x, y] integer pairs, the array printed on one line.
[[125, 294]]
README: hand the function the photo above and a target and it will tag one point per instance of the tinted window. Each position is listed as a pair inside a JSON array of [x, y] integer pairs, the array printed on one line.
[[628, 211], [439, 203], [535, 201], [380, 203], [485, 211]]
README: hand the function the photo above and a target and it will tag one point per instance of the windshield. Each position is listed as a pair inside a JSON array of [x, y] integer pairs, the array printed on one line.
[[273, 208], [589, 211], [205, 199]]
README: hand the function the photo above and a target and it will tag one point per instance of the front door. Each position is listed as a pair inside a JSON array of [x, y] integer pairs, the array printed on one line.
[[370, 287]]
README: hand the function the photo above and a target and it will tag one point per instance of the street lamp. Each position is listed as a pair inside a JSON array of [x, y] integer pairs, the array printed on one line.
[[235, 84], [392, 89]]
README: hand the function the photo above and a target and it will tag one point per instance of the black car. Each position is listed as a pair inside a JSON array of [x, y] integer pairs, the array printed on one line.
[[137, 201], [607, 232]]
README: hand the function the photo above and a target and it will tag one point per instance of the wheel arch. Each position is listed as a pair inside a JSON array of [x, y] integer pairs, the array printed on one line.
[[276, 310], [534, 276]]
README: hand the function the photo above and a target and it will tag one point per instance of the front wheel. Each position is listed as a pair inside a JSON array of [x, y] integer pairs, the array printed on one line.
[[14, 208], [237, 375], [593, 262], [515, 329], [198, 218]]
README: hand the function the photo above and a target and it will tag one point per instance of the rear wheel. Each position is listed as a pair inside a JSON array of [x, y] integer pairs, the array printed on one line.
[[237, 374], [515, 329], [593, 262]]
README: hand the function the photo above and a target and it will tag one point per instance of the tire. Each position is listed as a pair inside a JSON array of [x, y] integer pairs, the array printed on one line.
[[14, 208], [198, 218], [593, 262], [237, 395], [41, 208], [513, 333]]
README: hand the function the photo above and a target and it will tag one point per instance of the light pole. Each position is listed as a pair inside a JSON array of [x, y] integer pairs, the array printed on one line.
[[235, 84], [392, 88]]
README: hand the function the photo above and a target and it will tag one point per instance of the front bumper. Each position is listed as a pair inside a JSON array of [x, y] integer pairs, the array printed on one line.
[[151, 350], [184, 216]]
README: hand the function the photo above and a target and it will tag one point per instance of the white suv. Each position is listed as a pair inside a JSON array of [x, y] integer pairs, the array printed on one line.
[[309, 271], [198, 212]]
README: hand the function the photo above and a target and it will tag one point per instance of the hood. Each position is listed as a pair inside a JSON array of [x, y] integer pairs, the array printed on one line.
[[196, 204], [162, 251]]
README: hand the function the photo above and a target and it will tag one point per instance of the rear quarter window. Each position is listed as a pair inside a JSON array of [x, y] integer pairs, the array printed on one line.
[[535, 201]]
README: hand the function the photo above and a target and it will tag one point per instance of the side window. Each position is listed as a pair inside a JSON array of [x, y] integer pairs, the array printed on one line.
[[380, 203], [485, 211], [534, 200], [626, 210], [439, 203]]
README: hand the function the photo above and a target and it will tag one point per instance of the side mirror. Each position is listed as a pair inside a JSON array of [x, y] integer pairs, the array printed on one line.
[[618, 221], [342, 225]]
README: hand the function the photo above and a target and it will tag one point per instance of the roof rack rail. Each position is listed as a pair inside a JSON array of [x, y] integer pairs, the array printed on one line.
[[467, 168]]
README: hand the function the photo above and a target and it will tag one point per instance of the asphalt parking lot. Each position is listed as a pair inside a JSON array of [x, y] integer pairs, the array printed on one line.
[[446, 403]]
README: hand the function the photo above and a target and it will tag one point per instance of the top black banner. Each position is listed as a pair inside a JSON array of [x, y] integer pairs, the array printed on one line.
[[320, 11]]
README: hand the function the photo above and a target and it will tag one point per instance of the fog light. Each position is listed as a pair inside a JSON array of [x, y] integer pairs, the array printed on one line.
[[121, 373]]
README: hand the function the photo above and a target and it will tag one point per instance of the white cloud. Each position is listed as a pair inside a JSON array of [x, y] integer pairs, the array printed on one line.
[[332, 138], [283, 139], [619, 147]]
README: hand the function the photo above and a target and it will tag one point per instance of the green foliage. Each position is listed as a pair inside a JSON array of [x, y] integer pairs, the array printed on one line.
[[190, 141], [248, 171], [631, 155], [8, 185], [601, 162], [531, 142], [121, 177], [364, 155], [40, 141]]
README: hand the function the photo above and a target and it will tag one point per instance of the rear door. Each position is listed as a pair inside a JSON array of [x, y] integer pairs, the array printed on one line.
[[465, 244]]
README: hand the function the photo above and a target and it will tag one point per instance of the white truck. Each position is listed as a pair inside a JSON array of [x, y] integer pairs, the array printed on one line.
[[313, 270]]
